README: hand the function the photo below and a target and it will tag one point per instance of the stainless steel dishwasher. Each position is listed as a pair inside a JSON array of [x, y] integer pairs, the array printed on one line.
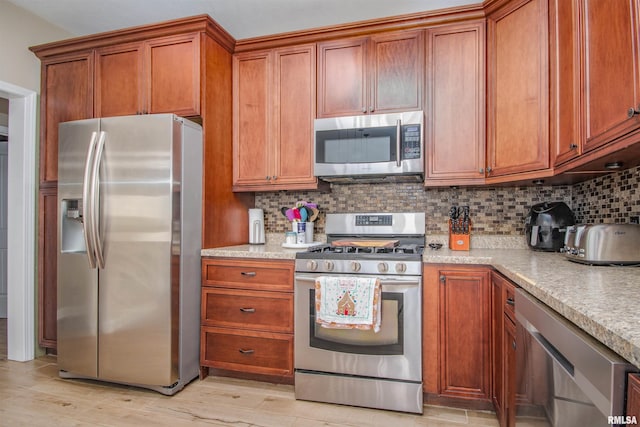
[[564, 376]]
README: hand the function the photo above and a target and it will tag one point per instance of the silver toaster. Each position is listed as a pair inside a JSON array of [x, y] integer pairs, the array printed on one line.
[[603, 244]]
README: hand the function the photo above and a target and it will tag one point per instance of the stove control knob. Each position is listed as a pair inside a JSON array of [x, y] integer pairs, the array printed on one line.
[[328, 265], [355, 266], [401, 267], [383, 267], [312, 265]]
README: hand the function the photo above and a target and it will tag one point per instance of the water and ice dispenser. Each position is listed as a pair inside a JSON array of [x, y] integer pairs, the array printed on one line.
[[72, 231]]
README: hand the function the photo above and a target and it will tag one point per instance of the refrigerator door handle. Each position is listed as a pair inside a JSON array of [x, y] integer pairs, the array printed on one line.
[[87, 202], [95, 205]]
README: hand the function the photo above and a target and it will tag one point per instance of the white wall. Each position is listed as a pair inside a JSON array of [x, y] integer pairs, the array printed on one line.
[[20, 29]]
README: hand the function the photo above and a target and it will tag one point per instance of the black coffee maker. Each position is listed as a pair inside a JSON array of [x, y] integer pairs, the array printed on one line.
[[546, 225]]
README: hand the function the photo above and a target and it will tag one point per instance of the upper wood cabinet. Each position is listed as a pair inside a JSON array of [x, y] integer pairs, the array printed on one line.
[[273, 113], [67, 82], [455, 104], [143, 78], [376, 74], [610, 49], [518, 89], [564, 72]]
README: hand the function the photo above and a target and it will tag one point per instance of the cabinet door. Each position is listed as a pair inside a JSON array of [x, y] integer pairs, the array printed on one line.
[[396, 64], [119, 80], [497, 335], [564, 72], [518, 96], [611, 74], [510, 373], [67, 94], [464, 330], [342, 83], [47, 267], [455, 106], [294, 109], [251, 119], [633, 396], [173, 75]]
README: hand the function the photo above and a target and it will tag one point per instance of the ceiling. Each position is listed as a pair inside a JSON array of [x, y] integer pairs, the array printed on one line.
[[241, 18]]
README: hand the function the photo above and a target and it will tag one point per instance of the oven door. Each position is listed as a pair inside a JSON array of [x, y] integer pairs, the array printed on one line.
[[394, 352]]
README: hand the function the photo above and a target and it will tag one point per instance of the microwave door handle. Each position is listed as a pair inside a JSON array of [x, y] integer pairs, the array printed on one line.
[[398, 142]]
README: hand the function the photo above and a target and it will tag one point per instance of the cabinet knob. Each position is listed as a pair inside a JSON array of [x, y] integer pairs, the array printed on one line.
[[513, 344], [632, 112], [274, 177], [372, 109], [481, 171], [443, 278], [510, 301], [267, 177], [364, 110], [488, 169], [573, 146]]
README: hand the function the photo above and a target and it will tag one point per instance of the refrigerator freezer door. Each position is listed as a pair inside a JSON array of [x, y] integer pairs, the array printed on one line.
[[77, 293], [139, 285]]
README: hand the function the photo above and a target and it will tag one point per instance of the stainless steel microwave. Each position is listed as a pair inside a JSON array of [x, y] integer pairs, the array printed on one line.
[[370, 146]]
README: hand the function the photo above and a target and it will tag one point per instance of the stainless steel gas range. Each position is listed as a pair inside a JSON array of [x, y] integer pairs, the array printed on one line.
[[361, 367]]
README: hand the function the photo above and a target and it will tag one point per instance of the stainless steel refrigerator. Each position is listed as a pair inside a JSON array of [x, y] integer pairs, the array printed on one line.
[[129, 242]]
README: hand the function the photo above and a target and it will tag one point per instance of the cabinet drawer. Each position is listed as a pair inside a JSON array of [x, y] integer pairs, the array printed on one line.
[[253, 274], [268, 311], [247, 351], [508, 295]]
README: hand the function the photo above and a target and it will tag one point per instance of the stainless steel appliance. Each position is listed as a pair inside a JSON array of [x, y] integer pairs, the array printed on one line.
[[256, 227], [546, 225], [370, 147], [566, 378], [603, 244], [129, 242], [355, 367]]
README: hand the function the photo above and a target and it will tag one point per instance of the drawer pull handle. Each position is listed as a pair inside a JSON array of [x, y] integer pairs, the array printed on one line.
[[248, 273], [248, 310], [250, 351], [511, 301]]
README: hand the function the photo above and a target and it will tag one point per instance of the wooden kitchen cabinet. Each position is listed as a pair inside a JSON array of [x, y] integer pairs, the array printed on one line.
[[456, 335], [375, 74], [182, 67], [247, 318], [273, 113], [142, 78], [119, 80], [610, 61], [518, 91], [67, 94], [455, 104], [633, 396], [564, 72]]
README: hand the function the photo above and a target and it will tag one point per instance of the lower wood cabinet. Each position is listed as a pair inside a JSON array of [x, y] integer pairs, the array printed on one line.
[[633, 397], [457, 335], [247, 318]]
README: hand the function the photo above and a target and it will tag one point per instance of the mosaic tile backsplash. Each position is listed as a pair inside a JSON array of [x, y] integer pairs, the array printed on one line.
[[494, 211]]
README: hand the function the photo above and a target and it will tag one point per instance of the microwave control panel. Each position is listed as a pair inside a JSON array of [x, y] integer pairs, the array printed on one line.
[[410, 142]]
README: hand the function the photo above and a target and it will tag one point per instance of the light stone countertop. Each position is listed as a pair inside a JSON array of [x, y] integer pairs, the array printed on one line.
[[603, 301]]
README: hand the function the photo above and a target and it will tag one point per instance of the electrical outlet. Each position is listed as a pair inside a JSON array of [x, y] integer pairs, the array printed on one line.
[[634, 219]]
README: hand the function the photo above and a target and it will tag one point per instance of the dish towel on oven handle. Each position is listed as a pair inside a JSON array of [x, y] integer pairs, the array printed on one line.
[[348, 302]]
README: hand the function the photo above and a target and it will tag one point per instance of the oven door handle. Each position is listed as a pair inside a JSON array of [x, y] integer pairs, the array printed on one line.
[[383, 281]]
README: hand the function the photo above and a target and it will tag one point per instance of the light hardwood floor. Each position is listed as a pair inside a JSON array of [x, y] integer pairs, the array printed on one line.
[[32, 394]]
